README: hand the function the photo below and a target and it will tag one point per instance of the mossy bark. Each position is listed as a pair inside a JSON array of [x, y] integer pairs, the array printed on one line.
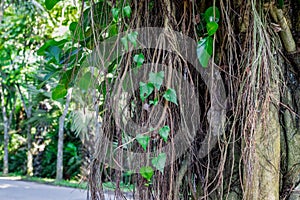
[[263, 171], [292, 152]]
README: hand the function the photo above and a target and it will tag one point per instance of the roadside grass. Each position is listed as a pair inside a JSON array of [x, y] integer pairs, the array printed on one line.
[[64, 183], [108, 186]]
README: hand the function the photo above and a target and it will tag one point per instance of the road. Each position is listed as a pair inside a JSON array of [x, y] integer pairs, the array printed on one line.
[[11, 189]]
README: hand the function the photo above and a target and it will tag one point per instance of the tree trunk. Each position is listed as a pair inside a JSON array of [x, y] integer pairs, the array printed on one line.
[[28, 111], [6, 130], [60, 145], [264, 175], [246, 161], [29, 152], [6, 121]]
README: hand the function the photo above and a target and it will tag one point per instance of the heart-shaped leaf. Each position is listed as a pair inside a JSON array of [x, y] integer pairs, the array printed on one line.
[[132, 37], [205, 50], [159, 162], [124, 41], [127, 11], [164, 133], [139, 59], [115, 13], [59, 92], [212, 27], [212, 14], [156, 79], [170, 95], [145, 90], [143, 140], [146, 172]]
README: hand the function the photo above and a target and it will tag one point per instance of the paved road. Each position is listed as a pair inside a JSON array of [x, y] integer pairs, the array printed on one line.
[[22, 190]]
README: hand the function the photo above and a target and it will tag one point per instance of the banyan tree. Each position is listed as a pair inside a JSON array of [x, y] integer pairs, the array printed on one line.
[[197, 99]]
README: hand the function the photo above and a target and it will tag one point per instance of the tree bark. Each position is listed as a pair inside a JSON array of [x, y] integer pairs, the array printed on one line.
[[6, 129], [28, 111], [264, 175], [60, 145]]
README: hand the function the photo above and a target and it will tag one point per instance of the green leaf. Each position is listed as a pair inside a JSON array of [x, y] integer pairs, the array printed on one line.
[[159, 162], [76, 30], [68, 76], [212, 27], [54, 52], [212, 14], [170, 95], [124, 41], [59, 92], [203, 57], [46, 78], [139, 59], [51, 3], [281, 3], [146, 172], [127, 11], [115, 13], [70, 55], [164, 133], [85, 81], [73, 26], [143, 140], [112, 30], [41, 51], [154, 102], [145, 90], [205, 50], [157, 79], [132, 38]]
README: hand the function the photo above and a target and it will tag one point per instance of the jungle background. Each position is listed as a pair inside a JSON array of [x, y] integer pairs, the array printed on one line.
[[55, 103]]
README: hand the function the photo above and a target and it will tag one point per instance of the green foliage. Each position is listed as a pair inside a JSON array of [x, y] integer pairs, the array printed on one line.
[[281, 3], [164, 133], [170, 95], [28, 33], [124, 41], [51, 3], [156, 79], [127, 11], [85, 81], [205, 45], [115, 13], [45, 47], [53, 52], [59, 92], [145, 90], [72, 158], [139, 59], [204, 50], [143, 140], [123, 186], [212, 27], [146, 172], [77, 31], [132, 37], [159, 162], [154, 102], [212, 14]]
